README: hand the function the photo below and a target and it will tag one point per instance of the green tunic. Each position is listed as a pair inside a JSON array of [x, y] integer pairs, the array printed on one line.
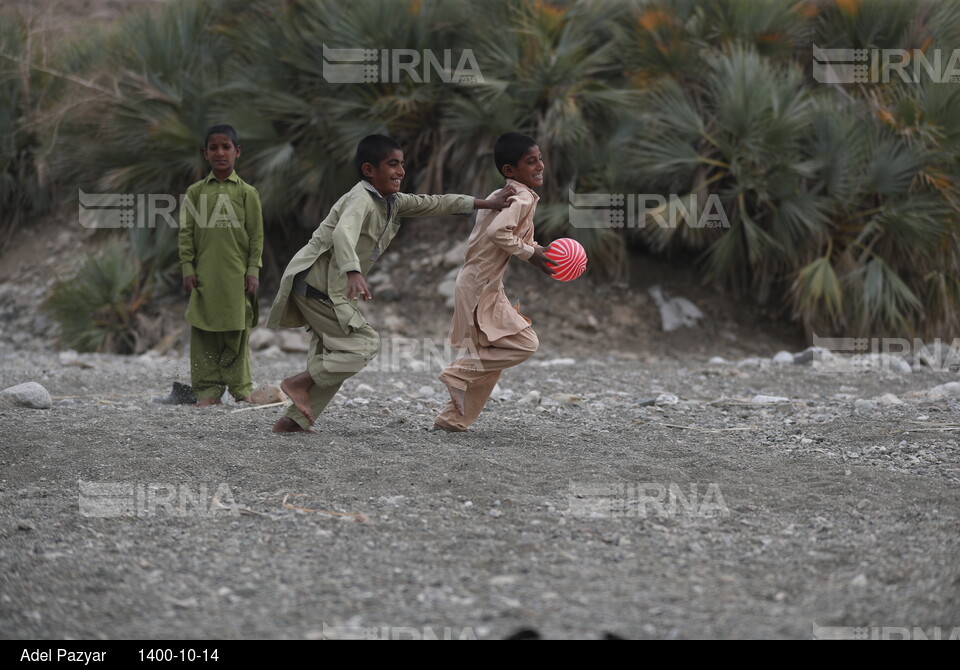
[[357, 231], [221, 241]]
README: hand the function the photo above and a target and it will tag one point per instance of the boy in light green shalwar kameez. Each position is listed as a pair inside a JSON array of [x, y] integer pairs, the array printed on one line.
[[221, 241]]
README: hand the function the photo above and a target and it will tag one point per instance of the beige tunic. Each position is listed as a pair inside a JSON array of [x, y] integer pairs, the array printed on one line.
[[496, 238]]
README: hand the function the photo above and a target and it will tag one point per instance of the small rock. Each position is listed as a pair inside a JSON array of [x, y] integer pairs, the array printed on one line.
[[558, 361], [30, 394], [889, 399], [495, 513], [566, 398], [760, 399], [71, 357], [647, 402], [425, 392], [267, 394], [859, 581], [666, 399], [675, 312], [811, 354], [260, 338], [948, 390], [862, 405], [718, 360], [23, 524], [531, 398], [293, 342], [364, 388], [455, 256], [783, 358]]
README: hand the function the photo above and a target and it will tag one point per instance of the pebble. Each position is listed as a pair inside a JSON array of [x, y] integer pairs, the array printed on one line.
[[531, 398], [267, 394], [761, 399], [29, 394], [666, 399], [294, 342], [783, 358]]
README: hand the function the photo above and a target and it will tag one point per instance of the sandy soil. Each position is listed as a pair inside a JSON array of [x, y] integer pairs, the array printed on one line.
[[823, 512]]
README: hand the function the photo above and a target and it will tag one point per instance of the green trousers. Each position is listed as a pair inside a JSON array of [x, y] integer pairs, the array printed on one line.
[[334, 356], [220, 361]]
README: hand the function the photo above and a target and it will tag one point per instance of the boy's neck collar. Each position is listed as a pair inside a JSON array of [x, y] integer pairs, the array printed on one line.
[[370, 187], [233, 176], [523, 186]]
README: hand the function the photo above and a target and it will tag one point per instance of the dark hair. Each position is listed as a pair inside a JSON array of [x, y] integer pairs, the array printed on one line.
[[373, 149], [510, 148], [221, 129]]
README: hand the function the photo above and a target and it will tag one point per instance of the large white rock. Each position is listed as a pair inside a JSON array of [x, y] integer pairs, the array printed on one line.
[[30, 394]]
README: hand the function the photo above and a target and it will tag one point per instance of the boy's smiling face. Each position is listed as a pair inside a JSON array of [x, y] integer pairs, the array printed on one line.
[[387, 175], [528, 170], [222, 155]]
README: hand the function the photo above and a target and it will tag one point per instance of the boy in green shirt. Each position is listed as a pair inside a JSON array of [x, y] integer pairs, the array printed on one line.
[[221, 241], [325, 279]]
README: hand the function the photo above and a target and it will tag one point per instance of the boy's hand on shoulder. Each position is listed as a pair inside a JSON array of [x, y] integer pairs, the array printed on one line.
[[250, 284], [539, 260], [357, 287], [498, 202], [189, 283]]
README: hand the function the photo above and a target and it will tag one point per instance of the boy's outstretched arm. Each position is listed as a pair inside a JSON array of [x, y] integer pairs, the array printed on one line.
[[435, 205]]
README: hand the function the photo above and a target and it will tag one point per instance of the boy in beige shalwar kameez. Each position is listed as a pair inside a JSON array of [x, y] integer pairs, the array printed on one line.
[[494, 333]]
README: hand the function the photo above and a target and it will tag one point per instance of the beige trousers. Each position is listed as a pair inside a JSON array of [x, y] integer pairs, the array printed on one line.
[[478, 372]]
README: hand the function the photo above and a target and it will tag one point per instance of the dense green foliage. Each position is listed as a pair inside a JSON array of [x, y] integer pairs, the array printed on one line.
[[841, 199]]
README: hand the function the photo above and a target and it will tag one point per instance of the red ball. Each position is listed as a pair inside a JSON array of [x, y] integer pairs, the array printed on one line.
[[570, 258]]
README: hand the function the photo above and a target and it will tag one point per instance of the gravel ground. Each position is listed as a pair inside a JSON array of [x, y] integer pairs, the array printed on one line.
[[581, 515]]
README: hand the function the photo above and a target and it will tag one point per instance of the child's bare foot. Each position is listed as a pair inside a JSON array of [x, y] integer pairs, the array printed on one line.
[[287, 425], [450, 429], [297, 389], [207, 402], [457, 396]]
